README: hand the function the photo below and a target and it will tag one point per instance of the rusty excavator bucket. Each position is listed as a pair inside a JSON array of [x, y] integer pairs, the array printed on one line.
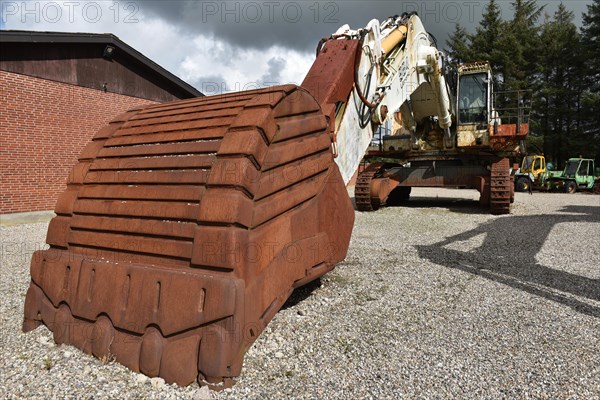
[[184, 228]]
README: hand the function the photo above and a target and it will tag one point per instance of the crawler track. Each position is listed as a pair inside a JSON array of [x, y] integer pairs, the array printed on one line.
[[500, 187], [362, 190]]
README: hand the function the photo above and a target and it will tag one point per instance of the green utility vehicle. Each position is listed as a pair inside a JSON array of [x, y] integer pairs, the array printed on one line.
[[579, 174]]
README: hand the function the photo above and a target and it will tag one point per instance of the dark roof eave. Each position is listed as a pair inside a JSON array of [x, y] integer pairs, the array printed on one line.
[[16, 36]]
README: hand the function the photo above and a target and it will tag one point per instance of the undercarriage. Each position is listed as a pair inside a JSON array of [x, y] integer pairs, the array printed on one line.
[[389, 184]]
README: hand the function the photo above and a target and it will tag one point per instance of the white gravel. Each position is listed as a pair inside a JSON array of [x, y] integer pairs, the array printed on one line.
[[435, 300]]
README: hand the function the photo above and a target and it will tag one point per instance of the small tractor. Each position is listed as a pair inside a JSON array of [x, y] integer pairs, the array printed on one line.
[[535, 173], [579, 174], [532, 169]]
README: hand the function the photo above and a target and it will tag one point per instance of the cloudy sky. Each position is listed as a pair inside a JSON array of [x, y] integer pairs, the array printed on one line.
[[233, 45]]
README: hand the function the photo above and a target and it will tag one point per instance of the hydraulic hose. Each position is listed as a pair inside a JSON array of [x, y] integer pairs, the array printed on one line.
[[361, 95]]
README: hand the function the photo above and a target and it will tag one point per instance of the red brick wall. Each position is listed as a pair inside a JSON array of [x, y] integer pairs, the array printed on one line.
[[44, 125]]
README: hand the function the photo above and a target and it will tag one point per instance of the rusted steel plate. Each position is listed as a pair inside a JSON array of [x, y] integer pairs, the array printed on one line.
[[163, 162], [183, 109], [284, 152], [510, 130], [197, 115], [289, 174], [204, 103], [138, 208], [139, 226], [292, 127], [200, 124], [215, 132], [171, 239], [142, 192], [203, 147], [140, 177]]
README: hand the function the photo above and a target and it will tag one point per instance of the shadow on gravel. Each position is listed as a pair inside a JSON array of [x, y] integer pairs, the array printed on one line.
[[508, 256], [462, 206], [302, 293]]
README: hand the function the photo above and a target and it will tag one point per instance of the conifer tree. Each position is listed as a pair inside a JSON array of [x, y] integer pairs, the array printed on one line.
[[591, 62], [487, 38], [458, 46], [558, 98]]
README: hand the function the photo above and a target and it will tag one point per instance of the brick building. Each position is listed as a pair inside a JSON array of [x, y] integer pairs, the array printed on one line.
[[56, 91]]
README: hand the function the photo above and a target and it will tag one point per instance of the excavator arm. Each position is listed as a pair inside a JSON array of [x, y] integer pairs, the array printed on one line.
[[364, 77]]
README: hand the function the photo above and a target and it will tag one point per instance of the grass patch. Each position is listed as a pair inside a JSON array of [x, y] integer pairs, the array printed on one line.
[[338, 279], [47, 363]]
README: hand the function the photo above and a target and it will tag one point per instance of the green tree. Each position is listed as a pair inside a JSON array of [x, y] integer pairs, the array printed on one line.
[[459, 46], [487, 38], [520, 45], [591, 61], [591, 41], [560, 65], [558, 98]]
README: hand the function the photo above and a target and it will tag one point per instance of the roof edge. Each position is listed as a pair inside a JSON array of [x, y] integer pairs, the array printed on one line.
[[20, 36]]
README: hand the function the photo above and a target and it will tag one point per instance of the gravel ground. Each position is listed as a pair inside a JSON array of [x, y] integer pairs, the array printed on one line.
[[435, 300]]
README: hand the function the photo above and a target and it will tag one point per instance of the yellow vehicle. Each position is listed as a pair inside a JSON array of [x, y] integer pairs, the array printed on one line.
[[529, 173]]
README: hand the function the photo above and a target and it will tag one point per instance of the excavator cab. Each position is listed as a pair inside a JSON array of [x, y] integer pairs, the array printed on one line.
[[498, 120], [473, 104]]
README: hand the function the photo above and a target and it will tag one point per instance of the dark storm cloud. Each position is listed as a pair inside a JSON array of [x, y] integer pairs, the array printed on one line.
[[273, 74], [297, 24], [300, 24]]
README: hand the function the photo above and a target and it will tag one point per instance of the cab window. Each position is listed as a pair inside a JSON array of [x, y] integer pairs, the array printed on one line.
[[584, 168], [473, 99], [571, 168]]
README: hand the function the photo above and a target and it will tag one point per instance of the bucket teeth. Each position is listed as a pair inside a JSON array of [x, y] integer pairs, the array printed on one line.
[[184, 228]]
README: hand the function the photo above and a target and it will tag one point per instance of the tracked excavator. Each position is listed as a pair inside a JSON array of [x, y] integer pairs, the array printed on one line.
[[185, 226]]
